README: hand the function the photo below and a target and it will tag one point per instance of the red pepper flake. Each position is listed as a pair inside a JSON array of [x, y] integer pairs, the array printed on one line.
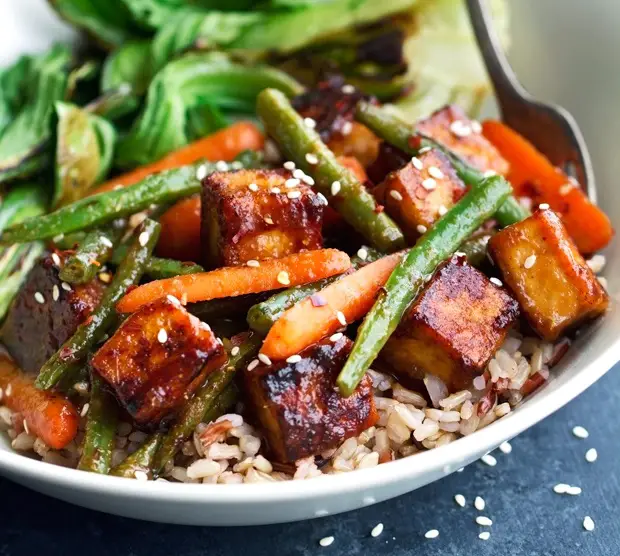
[[415, 142], [379, 209], [65, 353], [318, 300]]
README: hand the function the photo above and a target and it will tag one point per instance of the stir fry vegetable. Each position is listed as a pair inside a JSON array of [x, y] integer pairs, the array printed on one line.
[[141, 461]]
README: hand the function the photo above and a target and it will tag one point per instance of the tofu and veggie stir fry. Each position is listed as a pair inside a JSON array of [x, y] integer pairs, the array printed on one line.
[[235, 252]]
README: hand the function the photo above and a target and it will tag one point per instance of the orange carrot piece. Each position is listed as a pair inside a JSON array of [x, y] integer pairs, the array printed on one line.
[[273, 274], [304, 324], [532, 175], [180, 231], [225, 144], [47, 415]]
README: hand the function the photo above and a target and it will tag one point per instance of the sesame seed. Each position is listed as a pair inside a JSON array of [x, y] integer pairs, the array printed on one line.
[[489, 460], [566, 188], [236, 165], [573, 490], [561, 488], [106, 242], [362, 253], [431, 534], [38, 297], [25, 424], [235, 351], [496, 281], [9, 390], [293, 359], [335, 337], [253, 364], [529, 262], [264, 359], [347, 128], [253, 187], [283, 278], [460, 254], [309, 180], [489, 174], [348, 89], [294, 194], [475, 126], [173, 299], [143, 238], [341, 318], [479, 503], [396, 195], [162, 336], [55, 292], [460, 500], [591, 455], [435, 172], [221, 166], [85, 410], [275, 190], [56, 259], [291, 182], [105, 277], [140, 475], [543, 206], [309, 122], [421, 228], [299, 174], [268, 220], [58, 238], [253, 263], [460, 128], [505, 447], [311, 158], [289, 165], [484, 521], [335, 189], [484, 536], [322, 198], [442, 210], [201, 172], [417, 163], [377, 530], [588, 523], [424, 150], [1, 393], [429, 184], [326, 541], [580, 432]]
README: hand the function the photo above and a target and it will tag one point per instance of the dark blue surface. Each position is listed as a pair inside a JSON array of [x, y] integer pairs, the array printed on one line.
[[529, 519]]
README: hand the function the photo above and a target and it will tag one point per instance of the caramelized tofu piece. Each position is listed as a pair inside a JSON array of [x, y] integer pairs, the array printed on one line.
[[420, 193], [299, 406], [459, 320], [157, 359], [258, 214], [451, 127], [45, 314], [542, 266]]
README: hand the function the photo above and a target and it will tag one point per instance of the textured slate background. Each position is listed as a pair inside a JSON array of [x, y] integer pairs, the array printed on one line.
[[529, 519]]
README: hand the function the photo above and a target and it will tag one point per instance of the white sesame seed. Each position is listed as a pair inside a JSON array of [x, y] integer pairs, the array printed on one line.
[[335, 189], [173, 299], [489, 173], [291, 182], [566, 188], [162, 336], [529, 262], [293, 359], [460, 254], [505, 447], [253, 364], [1, 393], [543, 206], [335, 337], [479, 503], [253, 187], [442, 210], [421, 228], [236, 165], [283, 278], [429, 184], [341, 318], [326, 541], [268, 220], [460, 128], [322, 198], [484, 521], [275, 190], [55, 292], [417, 163], [573, 490], [484, 536], [362, 253], [293, 194], [309, 180], [56, 259], [299, 174], [309, 122], [424, 150], [475, 126], [25, 425], [377, 530], [460, 500], [580, 432], [253, 263], [312, 158], [591, 455], [561, 488], [143, 238], [348, 89], [85, 410], [347, 128], [235, 351], [9, 390], [201, 173], [432, 534], [58, 238], [489, 460], [289, 165], [496, 281], [38, 297], [221, 166], [435, 172], [140, 475], [396, 195], [106, 242], [588, 523], [264, 359]]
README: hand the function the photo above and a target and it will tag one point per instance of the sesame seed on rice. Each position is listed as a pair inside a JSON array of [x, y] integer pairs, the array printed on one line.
[[309, 180], [275, 190], [289, 165], [335, 188], [484, 536], [253, 364], [293, 194], [201, 172], [460, 128], [442, 210], [221, 166], [326, 541], [431, 534], [362, 253], [588, 523], [348, 89], [377, 530], [396, 195], [309, 122], [85, 410], [573, 490], [424, 150], [235, 351], [596, 263], [460, 500], [489, 460], [56, 259], [529, 261], [496, 281], [591, 455], [283, 278], [341, 318], [484, 521], [543, 206], [298, 174], [55, 292], [561, 488], [429, 184], [580, 432], [292, 182]]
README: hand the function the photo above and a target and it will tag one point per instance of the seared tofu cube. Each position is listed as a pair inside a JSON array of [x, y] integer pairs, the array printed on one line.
[[542, 266], [46, 313], [420, 193], [157, 359], [451, 127], [459, 320], [299, 406], [258, 214]]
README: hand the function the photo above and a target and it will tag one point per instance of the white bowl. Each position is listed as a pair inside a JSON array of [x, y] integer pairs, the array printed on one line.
[[569, 67]]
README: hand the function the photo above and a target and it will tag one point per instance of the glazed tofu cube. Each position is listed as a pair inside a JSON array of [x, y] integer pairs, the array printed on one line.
[[258, 214], [46, 313], [420, 193], [157, 359], [451, 127], [542, 266], [454, 327], [299, 407]]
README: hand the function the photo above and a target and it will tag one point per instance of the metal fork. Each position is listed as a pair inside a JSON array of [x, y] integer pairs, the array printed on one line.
[[550, 128]]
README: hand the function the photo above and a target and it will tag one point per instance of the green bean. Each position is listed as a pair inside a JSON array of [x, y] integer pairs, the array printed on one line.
[[395, 131], [409, 276], [76, 348], [300, 143], [202, 402], [95, 250], [475, 248], [141, 460], [226, 307], [223, 403], [100, 429], [158, 268]]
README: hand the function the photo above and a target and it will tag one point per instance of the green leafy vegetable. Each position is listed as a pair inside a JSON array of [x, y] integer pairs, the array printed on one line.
[[128, 65], [13, 89]]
